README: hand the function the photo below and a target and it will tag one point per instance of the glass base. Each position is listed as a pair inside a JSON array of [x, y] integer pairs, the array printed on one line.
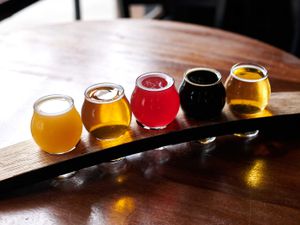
[[115, 166], [161, 155], [59, 153], [249, 134], [157, 156], [206, 141], [150, 128], [66, 175]]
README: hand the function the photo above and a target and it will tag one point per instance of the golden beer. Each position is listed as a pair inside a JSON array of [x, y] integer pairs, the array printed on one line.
[[247, 88], [106, 112]]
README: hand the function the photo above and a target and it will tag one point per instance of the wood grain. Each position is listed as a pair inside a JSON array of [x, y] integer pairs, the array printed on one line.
[[233, 181]]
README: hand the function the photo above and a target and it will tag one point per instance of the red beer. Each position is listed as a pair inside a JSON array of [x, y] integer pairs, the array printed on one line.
[[155, 101]]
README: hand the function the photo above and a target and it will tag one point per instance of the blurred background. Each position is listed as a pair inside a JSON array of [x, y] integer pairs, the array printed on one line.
[[274, 22]]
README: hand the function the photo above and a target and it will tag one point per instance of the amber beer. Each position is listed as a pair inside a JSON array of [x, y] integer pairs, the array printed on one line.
[[247, 88], [106, 112]]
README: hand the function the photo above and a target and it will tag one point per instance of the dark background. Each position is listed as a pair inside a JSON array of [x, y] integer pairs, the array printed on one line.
[[274, 22]]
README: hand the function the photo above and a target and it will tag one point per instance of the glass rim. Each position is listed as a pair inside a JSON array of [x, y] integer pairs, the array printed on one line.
[[50, 97], [103, 84], [214, 71], [249, 65], [170, 81]]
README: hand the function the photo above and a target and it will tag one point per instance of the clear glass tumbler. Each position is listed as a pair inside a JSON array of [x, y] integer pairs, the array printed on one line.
[[106, 112], [155, 100], [248, 91], [202, 95], [56, 125]]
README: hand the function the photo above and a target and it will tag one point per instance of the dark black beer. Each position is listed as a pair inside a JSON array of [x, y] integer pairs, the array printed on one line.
[[202, 94]]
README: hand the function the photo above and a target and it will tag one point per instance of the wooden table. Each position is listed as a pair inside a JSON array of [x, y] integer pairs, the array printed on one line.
[[233, 181]]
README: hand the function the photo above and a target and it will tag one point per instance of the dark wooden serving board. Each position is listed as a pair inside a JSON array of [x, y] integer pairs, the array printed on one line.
[[24, 163]]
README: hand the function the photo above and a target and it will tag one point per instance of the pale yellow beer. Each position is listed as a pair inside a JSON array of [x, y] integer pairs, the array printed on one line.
[[247, 88]]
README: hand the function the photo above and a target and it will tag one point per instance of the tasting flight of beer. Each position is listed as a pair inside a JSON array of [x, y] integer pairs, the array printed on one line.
[[106, 113]]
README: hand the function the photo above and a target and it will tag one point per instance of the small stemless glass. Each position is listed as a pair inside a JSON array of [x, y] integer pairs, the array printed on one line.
[[202, 95], [155, 101], [248, 91], [56, 125], [106, 112]]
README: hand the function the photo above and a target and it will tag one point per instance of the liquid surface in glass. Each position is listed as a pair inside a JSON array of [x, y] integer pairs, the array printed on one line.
[[106, 113], [154, 82], [202, 94], [56, 125], [248, 90]]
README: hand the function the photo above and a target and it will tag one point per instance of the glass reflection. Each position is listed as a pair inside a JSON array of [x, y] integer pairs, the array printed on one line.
[[120, 179], [117, 165], [252, 134], [124, 205], [264, 113], [255, 174], [103, 144]]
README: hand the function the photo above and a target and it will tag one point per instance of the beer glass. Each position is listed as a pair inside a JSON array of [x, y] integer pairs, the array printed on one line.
[[202, 95], [56, 125], [155, 101], [248, 91], [106, 113]]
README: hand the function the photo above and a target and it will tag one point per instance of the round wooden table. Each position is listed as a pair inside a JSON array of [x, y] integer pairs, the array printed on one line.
[[233, 181]]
